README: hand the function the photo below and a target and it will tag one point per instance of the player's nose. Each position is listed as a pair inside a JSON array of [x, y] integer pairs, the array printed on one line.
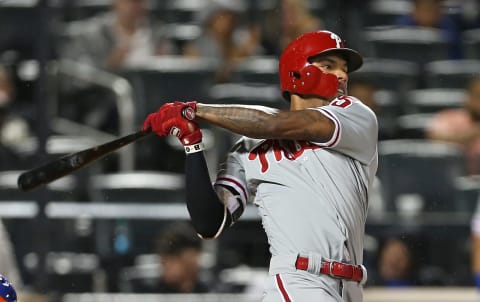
[[341, 75]]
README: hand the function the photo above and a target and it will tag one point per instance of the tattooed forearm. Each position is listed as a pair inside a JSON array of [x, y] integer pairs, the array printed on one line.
[[264, 122], [252, 121]]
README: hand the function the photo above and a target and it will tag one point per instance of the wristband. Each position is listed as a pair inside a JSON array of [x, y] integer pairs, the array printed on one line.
[[194, 148]]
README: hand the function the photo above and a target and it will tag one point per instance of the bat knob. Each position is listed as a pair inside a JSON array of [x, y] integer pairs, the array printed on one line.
[[188, 113], [24, 182]]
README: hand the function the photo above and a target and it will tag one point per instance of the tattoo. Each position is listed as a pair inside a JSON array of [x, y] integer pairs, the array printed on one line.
[[251, 121], [265, 122]]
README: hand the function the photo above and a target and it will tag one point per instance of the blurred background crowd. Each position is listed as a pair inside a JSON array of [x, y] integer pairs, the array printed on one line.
[[76, 73]]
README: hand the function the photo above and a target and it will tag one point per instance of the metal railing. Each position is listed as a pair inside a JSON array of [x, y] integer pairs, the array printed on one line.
[[124, 102]]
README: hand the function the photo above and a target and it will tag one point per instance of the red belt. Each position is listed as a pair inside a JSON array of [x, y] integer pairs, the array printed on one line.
[[335, 269]]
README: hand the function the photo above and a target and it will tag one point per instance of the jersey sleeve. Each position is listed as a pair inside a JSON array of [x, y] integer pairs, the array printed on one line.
[[231, 175], [356, 128]]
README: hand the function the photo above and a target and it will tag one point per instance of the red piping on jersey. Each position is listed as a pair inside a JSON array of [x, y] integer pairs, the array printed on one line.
[[337, 123], [242, 187], [282, 289]]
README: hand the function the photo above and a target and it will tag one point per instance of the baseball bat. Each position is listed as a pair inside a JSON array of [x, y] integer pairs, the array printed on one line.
[[71, 162]]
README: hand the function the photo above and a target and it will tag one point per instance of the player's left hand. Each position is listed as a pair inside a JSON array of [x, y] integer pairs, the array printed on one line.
[[177, 119]]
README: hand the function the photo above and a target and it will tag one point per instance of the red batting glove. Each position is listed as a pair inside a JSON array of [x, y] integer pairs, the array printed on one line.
[[175, 119]]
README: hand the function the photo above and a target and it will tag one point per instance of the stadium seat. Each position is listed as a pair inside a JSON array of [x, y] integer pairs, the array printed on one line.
[[414, 44], [384, 12], [169, 78], [69, 271], [181, 33], [471, 40], [62, 189], [146, 271], [17, 18], [138, 186], [183, 11], [84, 9], [413, 125], [389, 108], [246, 94], [431, 100], [468, 188], [261, 69], [389, 74], [451, 73], [421, 174]]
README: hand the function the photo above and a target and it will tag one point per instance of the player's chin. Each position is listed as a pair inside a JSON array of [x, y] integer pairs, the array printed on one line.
[[342, 90]]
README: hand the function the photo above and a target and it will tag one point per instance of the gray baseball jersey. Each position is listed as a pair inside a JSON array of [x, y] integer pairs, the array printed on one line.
[[312, 196]]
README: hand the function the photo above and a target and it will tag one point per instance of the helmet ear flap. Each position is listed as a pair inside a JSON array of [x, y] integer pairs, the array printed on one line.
[[313, 81]]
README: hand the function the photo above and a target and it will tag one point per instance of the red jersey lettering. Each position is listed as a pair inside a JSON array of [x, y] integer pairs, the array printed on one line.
[[290, 150]]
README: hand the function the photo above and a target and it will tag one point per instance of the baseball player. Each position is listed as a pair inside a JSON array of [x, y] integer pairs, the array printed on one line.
[[7, 292], [308, 170]]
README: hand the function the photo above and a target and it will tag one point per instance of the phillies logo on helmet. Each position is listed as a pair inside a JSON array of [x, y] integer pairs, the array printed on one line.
[[337, 39]]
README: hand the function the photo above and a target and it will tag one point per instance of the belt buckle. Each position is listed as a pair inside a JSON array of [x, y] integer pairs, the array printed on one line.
[[364, 274], [330, 270]]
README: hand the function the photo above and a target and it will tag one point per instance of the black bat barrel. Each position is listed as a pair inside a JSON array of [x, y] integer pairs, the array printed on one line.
[[72, 162]]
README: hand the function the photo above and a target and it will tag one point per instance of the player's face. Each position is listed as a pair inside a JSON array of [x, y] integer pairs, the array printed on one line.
[[335, 65]]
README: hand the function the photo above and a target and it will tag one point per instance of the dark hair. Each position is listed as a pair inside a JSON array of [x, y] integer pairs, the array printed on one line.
[[176, 238]]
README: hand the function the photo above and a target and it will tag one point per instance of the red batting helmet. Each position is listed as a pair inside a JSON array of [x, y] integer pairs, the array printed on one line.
[[297, 75]]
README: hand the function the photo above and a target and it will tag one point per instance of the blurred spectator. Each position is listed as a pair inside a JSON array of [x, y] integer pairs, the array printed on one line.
[[297, 20], [284, 23], [462, 126], [13, 128], [223, 38], [123, 37], [365, 90], [395, 265], [8, 262], [429, 14], [179, 249], [475, 248]]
